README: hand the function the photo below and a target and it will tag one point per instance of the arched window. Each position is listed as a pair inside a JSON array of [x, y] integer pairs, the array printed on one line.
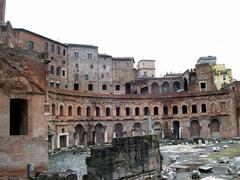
[[79, 111], [165, 110], [155, 110], [137, 112], [88, 111], [155, 88], [127, 111], [165, 87], [146, 110], [118, 113], [53, 110], [176, 86], [61, 110], [69, 110], [184, 109], [204, 108], [108, 111], [194, 108], [175, 110], [97, 111]]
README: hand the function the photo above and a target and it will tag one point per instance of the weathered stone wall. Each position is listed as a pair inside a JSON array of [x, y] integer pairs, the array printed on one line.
[[125, 158]]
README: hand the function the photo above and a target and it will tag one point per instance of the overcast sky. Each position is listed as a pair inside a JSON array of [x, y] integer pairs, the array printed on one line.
[[175, 33]]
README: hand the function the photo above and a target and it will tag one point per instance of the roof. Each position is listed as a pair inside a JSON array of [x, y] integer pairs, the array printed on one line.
[[123, 59], [40, 36], [104, 55], [82, 45], [146, 60]]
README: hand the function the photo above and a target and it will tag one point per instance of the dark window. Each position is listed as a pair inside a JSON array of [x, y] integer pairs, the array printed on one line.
[[76, 54], [18, 117], [30, 45], [97, 111], [58, 71], [104, 87], [155, 111], [76, 86], [52, 47], [204, 108], [118, 113], [146, 110], [203, 85], [117, 87], [53, 109], [90, 87], [57, 85], [184, 109], [46, 46], [63, 72], [86, 76], [102, 75], [104, 66], [79, 111], [69, 110], [76, 65], [61, 110], [91, 66], [194, 108], [165, 110], [64, 52], [127, 111], [58, 50], [89, 55], [108, 111], [137, 112], [175, 109], [52, 69], [88, 111], [51, 84]]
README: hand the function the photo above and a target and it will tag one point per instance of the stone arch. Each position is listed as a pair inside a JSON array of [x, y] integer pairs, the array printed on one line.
[[155, 88], [176, 86], [99, 134], [137, 111], [128, 111], [118, 111], [144, 90], [165, 110], [204, 108], [194, 129], [184, 109], [165, 87], [146, 110], [157, 129], [97, 111], [137, 129], [88, 111], [79, 134], [118, 130], [53, 109]]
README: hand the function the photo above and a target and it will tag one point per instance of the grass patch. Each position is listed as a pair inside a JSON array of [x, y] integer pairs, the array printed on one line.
[[231, 152]]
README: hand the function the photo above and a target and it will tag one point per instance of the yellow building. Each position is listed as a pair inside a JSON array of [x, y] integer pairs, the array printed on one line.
[[221, 75]]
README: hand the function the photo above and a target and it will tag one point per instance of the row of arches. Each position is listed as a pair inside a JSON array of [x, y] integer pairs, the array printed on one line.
[[108, 111], [156, 88], [138, 130]]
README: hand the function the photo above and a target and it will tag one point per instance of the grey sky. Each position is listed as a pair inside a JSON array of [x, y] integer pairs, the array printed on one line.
[[172, 32]]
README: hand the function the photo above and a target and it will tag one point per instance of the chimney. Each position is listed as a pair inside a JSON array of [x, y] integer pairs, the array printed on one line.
[[2, 10]]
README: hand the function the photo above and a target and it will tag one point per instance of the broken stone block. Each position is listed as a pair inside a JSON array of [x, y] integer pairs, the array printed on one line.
[[236, 163], [216, 149], [205, 169], [196, 174], [230, 171], [173, 159], [225, 146], [223, 160]]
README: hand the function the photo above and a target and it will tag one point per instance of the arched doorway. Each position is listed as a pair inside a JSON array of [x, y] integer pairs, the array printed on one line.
[[194, 129], [157, 129], [137, 129], [79, 135], [99, 134], [118, 130], [176, 126], [215, 129]]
